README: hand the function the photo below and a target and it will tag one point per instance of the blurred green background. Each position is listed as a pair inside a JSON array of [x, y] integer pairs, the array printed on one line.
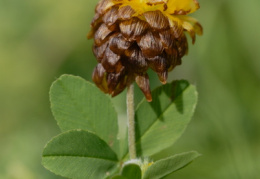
[[40, 40]]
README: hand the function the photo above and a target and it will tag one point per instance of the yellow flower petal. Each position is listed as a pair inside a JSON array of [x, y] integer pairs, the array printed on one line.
[[174, 7], [188, 27], [182, 7], [196, 25]]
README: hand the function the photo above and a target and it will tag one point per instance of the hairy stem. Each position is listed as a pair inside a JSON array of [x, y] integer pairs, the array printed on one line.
[[131, 121]]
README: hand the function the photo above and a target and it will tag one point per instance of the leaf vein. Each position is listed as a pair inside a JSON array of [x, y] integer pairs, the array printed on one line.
[[79, 156]]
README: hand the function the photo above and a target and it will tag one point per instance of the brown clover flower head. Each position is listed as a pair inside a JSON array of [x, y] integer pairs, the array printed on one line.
[[131, 36]]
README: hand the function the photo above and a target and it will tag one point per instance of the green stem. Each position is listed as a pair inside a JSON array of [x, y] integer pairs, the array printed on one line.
[[131, 121]]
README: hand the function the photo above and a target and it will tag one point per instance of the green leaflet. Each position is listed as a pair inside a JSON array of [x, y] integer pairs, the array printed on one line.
[[160, 123], [169, 165], [132, 171], [79, 154], [78, 104]]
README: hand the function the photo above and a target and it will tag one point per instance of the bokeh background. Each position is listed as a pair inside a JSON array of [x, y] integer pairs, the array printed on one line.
[[40, 40]]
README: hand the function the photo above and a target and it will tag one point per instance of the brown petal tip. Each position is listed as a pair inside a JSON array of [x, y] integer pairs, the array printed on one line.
[[149, 100], [163, 77], [143, 83]]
